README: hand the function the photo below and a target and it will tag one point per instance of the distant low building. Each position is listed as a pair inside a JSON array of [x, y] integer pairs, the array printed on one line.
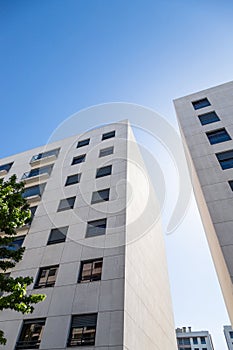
[[228, 332], [189, 340]]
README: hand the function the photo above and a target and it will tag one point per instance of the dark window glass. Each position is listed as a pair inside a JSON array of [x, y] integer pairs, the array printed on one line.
[[78, 159], [225, 159], [184, 341], [204, 102], [17, 243], [31, 334], [203, 341], [58, 235], [104, 171], [73, 179], [96, 227], [34, 191], [208, 118], [53, 152], [33, 211], [106, 152], [195, 340], [217, 136], [6, 167], [38, 171], [100, 196], [83, 330], [231, 334], [90, 270], [66, 204], [108, 135], [46, 277], [83, 143]]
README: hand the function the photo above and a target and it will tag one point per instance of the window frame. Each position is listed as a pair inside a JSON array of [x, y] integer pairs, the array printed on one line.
[[100, 231], [224, 161], [35, 344], [46, 284], [214, 136], [98, 171], [60, 208], [203, 118], [200, 102], [83, 143], [78, 175], [99, 198], [61, 240], [92, 326], [108, 135], [101, 155], [6, 167], [81, 156], [41, 190], [92, 277]]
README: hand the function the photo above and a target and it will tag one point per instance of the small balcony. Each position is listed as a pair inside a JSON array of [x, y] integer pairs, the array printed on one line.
[[37, 175], [44, 158]]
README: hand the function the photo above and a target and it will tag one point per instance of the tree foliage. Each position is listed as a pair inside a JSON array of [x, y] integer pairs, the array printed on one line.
[[14, 213]]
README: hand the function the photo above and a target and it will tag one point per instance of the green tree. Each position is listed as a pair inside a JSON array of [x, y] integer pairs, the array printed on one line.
[[14, 213]]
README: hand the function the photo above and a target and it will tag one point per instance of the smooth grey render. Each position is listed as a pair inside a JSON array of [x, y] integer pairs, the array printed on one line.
[[206, 124], [94, 247]]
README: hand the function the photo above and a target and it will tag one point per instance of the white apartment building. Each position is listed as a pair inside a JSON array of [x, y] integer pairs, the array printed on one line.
[[93, 247], [193, 340], [206, 123], [228, 332]]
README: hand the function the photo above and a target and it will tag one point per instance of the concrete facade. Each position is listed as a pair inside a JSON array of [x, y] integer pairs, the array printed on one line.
[[193, 340], [228, 332], [131, 299], [206, 138]]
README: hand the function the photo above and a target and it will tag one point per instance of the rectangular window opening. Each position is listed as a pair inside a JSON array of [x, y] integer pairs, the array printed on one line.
[[108, 135], [106, 152], [90, 270], [225, 159], [83, 330], [100, 196], [46, 277], [73, 179], [217, 136], [83, 143], [96, 227], [57, 235], [66, 204], [208, 118], [204, 102], [104, 171], [78, 159]]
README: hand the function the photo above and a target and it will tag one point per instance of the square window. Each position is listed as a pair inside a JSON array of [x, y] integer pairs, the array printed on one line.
[[104, 171], [108, 135], [106, 151], [31, 334], [83, 143], [46, 277], [34, 191], [203, 341], [58, 235], [79, 159], [208, 118], [225, 159], [96, 227], [217, 136], [82, 330], [100, 196], [204, 102], [6, 167], [66, 204], [73, 179], [90, 270]]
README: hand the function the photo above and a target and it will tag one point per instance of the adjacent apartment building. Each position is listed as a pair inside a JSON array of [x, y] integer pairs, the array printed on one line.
[[193, 340], [228, 332], [206, 124], [94, 247]]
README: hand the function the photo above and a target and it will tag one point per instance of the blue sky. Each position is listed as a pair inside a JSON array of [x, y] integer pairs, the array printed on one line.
[[60, 56]]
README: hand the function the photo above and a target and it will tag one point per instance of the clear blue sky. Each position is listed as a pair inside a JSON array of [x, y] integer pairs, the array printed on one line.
[[59, 56]]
